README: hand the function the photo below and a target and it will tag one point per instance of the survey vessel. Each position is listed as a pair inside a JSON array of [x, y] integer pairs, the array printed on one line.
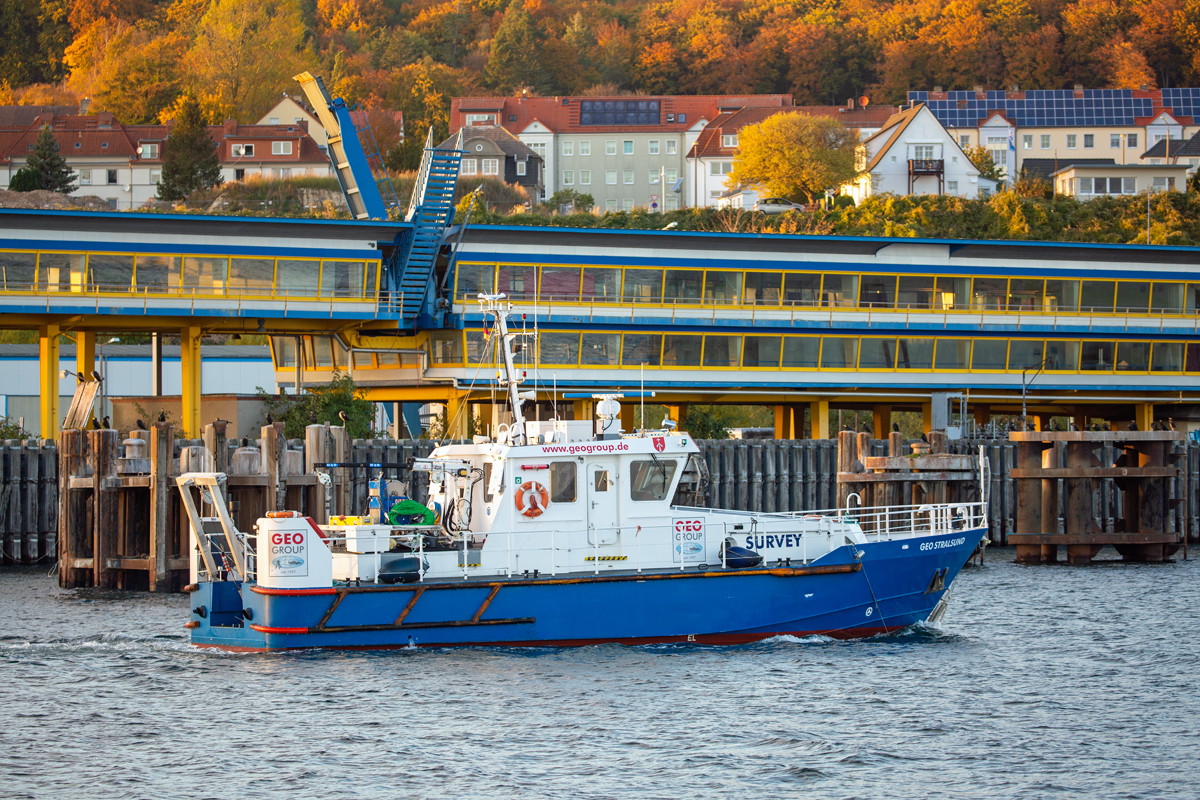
[[562, 533]]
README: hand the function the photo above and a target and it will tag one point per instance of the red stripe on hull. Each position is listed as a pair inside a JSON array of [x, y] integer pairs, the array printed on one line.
[[263, 590], [713, 639]]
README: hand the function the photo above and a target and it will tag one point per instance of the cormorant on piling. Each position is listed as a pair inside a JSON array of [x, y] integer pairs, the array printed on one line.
[[924, 438], [270, 420], [1054, 425], [162, 416], [342, 416], [1071, 425], [1133, 426], [312, 417], [141, 425], [895, 427], [95, 376], [866, 426], [106, 424], [845, 426], [1171, 424], [95, 424], [245, 442]]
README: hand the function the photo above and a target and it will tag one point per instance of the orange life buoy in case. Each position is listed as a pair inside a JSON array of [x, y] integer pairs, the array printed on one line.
[[532, 499]]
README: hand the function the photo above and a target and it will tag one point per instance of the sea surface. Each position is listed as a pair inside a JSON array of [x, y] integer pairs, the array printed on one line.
[[1041, 682]]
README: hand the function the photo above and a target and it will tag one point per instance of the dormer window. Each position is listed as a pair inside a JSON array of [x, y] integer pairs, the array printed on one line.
[[150, 150], [104, 145], [243, 151], [729, 140]]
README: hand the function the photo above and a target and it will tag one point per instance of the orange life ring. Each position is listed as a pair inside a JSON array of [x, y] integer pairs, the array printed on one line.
[[532, 499]]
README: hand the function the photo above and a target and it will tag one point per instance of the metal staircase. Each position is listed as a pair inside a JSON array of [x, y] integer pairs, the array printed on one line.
[[431, 211]]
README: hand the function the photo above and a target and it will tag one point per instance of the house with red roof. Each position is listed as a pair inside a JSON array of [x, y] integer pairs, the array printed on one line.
[[626, 152], [710, 159], [123, 163]]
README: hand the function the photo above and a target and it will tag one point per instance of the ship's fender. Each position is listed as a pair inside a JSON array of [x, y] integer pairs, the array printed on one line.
[[532, 499]]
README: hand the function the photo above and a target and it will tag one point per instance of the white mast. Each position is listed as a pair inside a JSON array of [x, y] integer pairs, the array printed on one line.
[[493, 303]]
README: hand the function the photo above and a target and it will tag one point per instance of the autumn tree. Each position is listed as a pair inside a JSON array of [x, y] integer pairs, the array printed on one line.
[[247, 51], [981, 158], [794, 156], [513, 63], [189, 155], [49, 163]]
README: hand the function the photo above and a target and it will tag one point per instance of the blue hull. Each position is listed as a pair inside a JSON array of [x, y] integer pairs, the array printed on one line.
[[889, 586]]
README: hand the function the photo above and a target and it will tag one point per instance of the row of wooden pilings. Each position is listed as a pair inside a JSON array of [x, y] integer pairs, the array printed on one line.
[[274, 473]]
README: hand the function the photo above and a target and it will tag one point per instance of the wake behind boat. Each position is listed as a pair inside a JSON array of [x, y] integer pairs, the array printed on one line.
[[554, 534]]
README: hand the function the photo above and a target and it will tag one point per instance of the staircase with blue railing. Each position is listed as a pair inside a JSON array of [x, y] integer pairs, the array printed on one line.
[[431, 211]]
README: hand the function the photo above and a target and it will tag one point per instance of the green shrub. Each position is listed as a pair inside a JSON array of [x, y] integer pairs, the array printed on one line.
[[25, 180]]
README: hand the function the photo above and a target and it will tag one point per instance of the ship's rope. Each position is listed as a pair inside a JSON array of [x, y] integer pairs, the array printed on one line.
[[858, 554]]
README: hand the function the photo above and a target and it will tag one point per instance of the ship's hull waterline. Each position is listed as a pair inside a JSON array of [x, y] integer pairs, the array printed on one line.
[[853, 591]]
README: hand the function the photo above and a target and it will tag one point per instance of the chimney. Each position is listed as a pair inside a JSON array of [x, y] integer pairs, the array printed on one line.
[[937, 90], [229, 127], [850, 103], [1079, 91], [1145, 87], [979, 93], [83, 106]]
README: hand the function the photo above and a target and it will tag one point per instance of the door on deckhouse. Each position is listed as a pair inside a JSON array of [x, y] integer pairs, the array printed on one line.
[[602, 504]]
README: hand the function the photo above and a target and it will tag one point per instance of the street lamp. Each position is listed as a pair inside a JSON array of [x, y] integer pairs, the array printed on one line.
[[1041, 365], [104, 372]]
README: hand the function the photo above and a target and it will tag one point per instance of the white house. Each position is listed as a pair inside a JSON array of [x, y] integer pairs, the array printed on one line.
[[914, 154]]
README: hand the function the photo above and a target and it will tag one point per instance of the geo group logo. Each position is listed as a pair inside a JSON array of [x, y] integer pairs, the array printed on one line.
[[288, 554]]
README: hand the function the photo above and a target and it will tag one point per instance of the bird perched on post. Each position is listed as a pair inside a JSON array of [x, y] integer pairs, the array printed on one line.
[[96, 376], [924, 438], [1133, 426], [245, 441], [1171, 424], [95, 424], [866, 426], [270, 420], [162, 416], [895, 427], [141, 425], [106, 424], [342, 416], [312, 417]]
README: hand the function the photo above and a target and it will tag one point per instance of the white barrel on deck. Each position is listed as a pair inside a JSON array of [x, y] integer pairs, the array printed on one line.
[[292, 554]]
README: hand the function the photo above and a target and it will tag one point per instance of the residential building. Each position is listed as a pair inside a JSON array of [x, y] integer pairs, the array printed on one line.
[[1091, 123], [122, 164], [1089, 181], [493, 152], [290, 111], [620, 150], [1175, 151], [710, 159], [913, 154]]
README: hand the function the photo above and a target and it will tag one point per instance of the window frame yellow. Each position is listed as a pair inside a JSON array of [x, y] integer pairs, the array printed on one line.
[[36, 263], [82, 289], [970, 352], [132, 288]]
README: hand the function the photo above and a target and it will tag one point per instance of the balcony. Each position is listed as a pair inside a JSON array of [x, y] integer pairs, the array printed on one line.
[[926, 166]]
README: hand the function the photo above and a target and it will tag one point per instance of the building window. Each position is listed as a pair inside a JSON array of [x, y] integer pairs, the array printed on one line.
[[1158, 137], [520, 169], [627, 147], [469, 166], [628, 176], [610, 177], [672, 202], [964, 141], [610, 205], [1027, 141], [112, 176], [1085, 185], [672, 147], [1045, 141], [150, 151], [155, 177], [729, 140], [281, 148], [585, 177], [720, 167], [239, 174], [103, 146], [1071, 141], [1114, 140], [627, 204], [923, 152], [1131, 139], [540, 149], [610, 148], [998, 147], [568, 177], [487, 118], [85, 177], [568, 148], [491, 166], [951, 187], [654, 147], [672, 176], [283, 172], [1164, 183], [243, 150], [653, 177], [1089, 141], [585, 148], [273, 121], [1129, 185]]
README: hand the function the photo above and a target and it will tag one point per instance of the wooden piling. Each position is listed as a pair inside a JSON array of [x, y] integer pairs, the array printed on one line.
[[162, 450]]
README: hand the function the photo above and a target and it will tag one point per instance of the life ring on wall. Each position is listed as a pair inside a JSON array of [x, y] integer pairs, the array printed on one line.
[[532, 499]]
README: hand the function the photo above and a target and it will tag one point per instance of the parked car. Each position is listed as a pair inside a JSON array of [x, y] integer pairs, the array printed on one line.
[[776, 205]]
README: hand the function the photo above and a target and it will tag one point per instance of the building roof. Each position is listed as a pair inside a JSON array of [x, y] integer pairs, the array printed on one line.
[[635, 114], [892, 130], [1045, 167], [1115, 167], [1177, 147], [23, 116], [1061, 107], [710, 144], [100, 136], [511, 145]]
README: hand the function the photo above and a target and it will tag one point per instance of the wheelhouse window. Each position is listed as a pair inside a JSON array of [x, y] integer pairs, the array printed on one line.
[[562, 481], [650, 480]]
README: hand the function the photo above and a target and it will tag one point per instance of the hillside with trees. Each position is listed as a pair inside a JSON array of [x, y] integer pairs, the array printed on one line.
[[137, 58]]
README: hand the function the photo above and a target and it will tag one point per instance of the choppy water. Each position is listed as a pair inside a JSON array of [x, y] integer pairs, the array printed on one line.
[[1052, 682]]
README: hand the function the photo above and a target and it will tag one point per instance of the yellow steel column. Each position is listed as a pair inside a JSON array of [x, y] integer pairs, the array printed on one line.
[[783, 422], [881, 424], [1143, 414], [982, 412], [48, 371], [85, 354], [629, 415], [818, 411], [927, 416], [189, 367], [584, 409]]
